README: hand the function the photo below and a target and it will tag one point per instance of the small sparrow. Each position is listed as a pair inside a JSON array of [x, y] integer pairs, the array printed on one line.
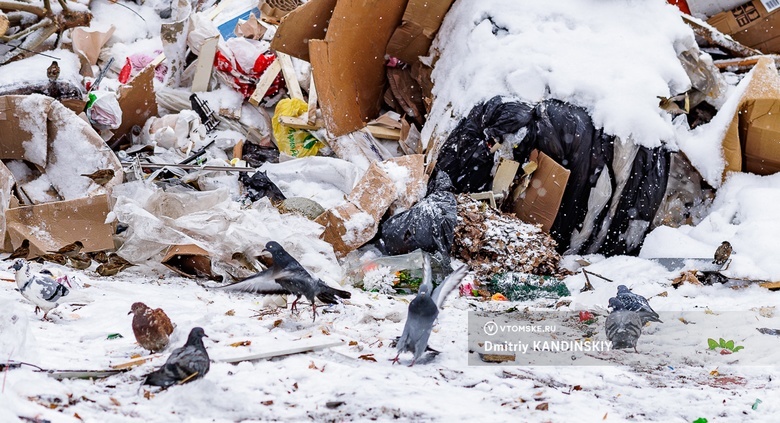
[[70, 250], [101, 177], [151, 327], [99, 256], [722, 254], [114, 265], [22, 251], [80, 261], [54, 258], [53, 71]]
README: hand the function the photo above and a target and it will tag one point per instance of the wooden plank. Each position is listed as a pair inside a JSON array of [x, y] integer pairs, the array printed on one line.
[[713, 36], [505, 175], [300, 123], [770, 285], [312, 113], [265, 82], [293, 88], [200, 82], [312, 346], [134, 362], [384, 133]]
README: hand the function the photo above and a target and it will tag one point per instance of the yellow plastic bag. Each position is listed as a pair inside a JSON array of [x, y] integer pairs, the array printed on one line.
[[295, 142]]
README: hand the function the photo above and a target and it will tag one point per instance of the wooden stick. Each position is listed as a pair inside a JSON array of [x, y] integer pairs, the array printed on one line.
[[300, 123], [293, 88], [200, 82], [265, 82], [744, 64], [133, 363], [312, 114], [597, 275], [384, 133], [286, 351], [713, 36]]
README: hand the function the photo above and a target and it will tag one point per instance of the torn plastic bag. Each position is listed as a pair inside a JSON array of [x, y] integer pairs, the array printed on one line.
[[686, 199], [292, 141], [466, 154], [428, 225], [639, 202], [597, 201], [103, 110], [383, 274], [566, 133], [259, 186]]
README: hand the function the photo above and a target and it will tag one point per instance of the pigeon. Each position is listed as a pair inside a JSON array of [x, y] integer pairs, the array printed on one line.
[[636, 302], [185, 364], [424, 309], [287, 276], [722, 254], [623, 326], [20, 252], [151, 327], [70, 250], [40, 289], [101, 177], [80, 261]]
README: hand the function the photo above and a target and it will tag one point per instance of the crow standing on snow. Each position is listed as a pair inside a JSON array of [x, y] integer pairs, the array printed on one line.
[[287, 276], [424, 309]]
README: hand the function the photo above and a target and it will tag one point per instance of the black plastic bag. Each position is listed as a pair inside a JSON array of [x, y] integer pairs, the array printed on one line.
[[429, 225], [466, 156], [259, 186]]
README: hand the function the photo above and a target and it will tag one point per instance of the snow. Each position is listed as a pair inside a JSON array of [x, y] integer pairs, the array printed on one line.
[[613, 58]]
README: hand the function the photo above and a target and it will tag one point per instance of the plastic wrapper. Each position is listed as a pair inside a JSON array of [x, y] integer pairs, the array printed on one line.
[[291, 141], [259, 185], [103, 110]]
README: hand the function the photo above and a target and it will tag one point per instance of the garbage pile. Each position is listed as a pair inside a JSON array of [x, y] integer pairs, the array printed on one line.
[[308, 124]]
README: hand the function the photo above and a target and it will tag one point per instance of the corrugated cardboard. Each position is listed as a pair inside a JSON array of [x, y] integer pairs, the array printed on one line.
[[27, 122], [542, 199], [137, 101], [190, 261], [372, 195], [421, 22], [54, 225], [752, 141], [752, 25], [308, 22], [349, 64], [711, 7]]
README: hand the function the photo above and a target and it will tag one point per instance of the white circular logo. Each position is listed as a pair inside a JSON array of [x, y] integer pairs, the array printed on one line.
[[490, 328]]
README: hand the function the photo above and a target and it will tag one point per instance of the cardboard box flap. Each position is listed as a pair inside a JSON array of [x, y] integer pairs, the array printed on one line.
[[6, 197], [751, 142], [190, 261], [23, 126], [752, 25], [421, 22], [307, 22], [137, 101], [349, 64], [51, 226], [542, 199]]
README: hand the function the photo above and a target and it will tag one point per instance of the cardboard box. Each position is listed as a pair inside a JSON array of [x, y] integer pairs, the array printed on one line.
[[542, 199], [421, 22], [752, 140], [752, 24], [349, 62], [356, 222], [189, 261], [39, 130], [711, 7]]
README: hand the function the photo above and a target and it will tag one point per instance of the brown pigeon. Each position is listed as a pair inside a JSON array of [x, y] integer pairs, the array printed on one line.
[[151, 327]]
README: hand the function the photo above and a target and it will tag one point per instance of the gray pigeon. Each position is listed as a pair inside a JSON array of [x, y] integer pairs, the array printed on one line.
[[185, 364], [287, 276], [424, 309], [41, 289], [623, 326], [636, 302]]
